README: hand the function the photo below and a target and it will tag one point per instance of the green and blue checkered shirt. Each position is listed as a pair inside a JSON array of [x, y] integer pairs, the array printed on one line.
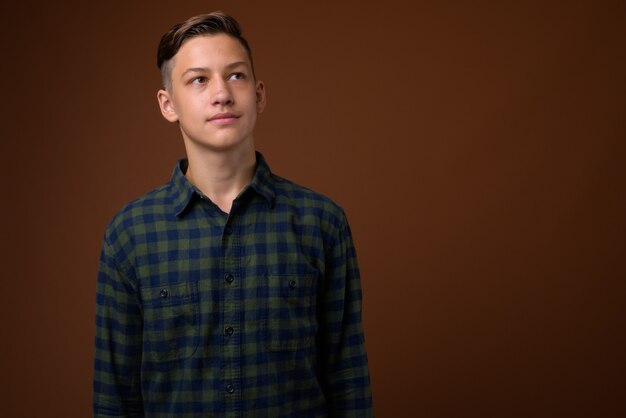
[[256, 313]]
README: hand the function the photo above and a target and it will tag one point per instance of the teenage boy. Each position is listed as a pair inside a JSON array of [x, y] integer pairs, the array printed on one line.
[[229, 291]]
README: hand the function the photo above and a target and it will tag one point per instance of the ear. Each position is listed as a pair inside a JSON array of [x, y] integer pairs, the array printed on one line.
[[260, 96], [167, 105]]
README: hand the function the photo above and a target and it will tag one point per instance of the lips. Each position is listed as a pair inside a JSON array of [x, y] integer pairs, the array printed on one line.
[[223, 118]]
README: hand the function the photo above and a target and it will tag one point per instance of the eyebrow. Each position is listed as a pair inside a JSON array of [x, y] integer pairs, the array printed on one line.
[[205, 69]]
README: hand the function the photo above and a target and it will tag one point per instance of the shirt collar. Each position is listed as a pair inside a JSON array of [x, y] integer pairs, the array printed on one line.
[[182, 191]]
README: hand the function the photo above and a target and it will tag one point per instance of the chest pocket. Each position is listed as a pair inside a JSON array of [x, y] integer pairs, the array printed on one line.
[[292, 321], [171, 321]]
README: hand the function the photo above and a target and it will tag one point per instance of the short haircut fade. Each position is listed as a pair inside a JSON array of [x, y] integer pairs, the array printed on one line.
[[205, 24]]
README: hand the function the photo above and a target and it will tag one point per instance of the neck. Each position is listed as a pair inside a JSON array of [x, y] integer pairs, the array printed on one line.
[[221, 176]]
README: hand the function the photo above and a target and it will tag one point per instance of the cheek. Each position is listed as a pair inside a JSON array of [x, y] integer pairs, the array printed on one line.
[[252, 116], [194, 107]]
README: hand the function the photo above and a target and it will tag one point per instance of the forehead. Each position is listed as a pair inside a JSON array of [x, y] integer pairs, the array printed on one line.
[[209, 51]]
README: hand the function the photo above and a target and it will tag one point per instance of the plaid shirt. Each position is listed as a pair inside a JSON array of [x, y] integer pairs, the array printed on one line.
[[256, 313]]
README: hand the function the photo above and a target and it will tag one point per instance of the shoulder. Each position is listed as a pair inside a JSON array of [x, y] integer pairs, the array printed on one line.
[[134, 215], [308, 203]]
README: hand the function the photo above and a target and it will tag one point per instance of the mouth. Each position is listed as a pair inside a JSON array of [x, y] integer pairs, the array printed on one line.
[[224, 118]]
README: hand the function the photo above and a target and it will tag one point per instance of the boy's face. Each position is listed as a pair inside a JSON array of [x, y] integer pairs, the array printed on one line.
[[213, 94]]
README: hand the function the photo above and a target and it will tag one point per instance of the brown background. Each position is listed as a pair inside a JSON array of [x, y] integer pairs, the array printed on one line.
[[478, 148]]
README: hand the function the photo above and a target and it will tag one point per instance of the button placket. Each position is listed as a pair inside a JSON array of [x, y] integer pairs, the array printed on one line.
[[231, 309]]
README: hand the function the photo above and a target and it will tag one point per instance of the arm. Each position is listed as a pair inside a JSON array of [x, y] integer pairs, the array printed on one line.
[[118, 342], [346, 375]]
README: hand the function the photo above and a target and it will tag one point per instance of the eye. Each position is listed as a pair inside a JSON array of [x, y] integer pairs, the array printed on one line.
[[199, 80], [237, 76]]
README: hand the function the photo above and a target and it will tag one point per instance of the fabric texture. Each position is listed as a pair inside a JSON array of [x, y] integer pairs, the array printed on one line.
[[256, 313]]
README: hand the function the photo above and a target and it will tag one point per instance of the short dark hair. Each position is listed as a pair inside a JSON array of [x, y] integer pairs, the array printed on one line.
[[204, 24]]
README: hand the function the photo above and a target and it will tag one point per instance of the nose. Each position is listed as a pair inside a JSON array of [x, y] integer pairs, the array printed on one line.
[[221, 95]]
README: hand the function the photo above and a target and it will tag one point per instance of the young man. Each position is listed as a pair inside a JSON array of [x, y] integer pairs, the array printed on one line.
[[228, 292]]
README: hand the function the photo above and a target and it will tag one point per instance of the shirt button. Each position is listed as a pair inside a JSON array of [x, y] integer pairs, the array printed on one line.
[[229, 331], [293, 284], [228, 230], [229, 277], [163, 293], [230, 388]]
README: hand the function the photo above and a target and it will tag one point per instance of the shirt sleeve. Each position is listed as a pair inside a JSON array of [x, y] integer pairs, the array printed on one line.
[[118, 342], [346, 375]]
